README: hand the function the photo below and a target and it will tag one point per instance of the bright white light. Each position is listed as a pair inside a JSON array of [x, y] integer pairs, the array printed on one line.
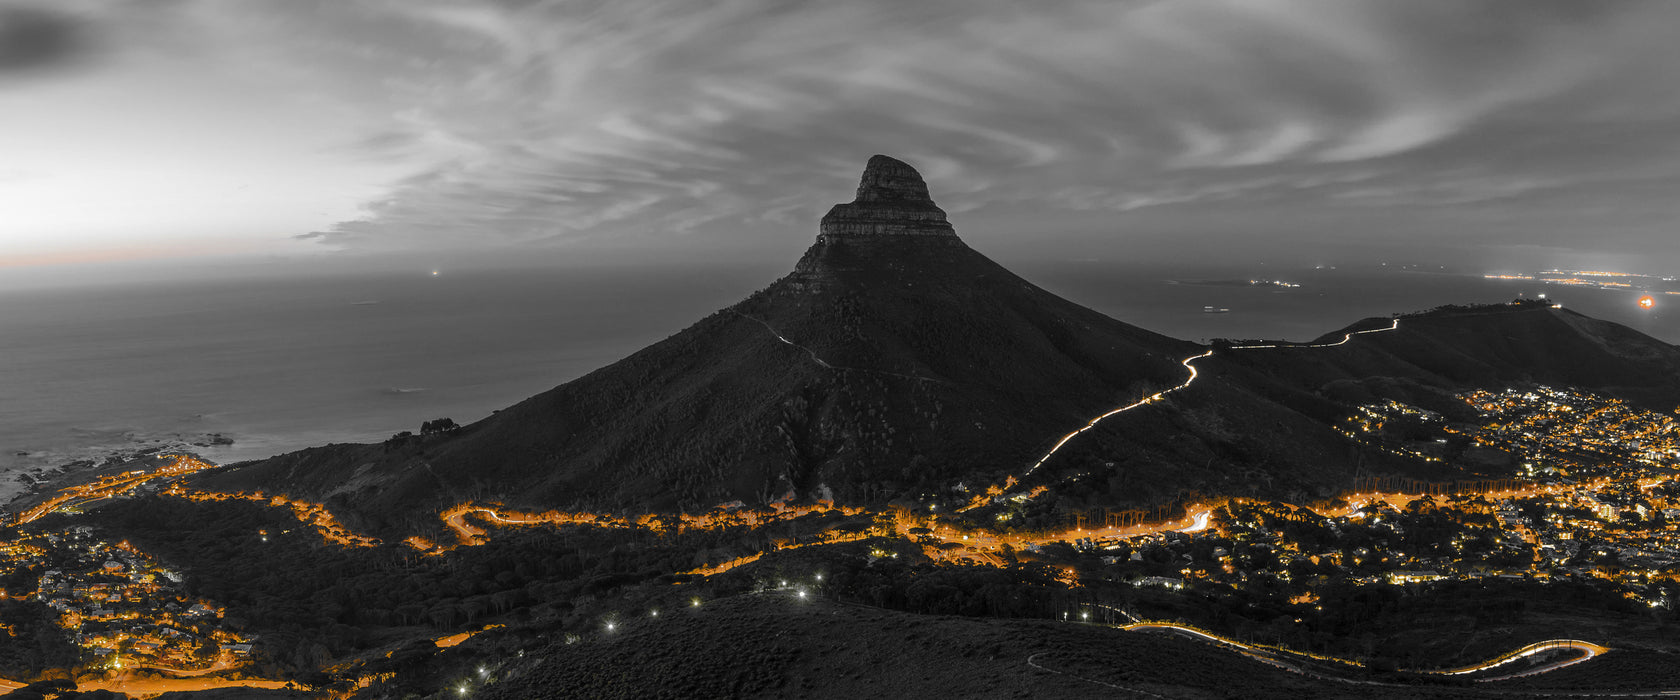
[[819, 577], [655, 613], [609, 626], [802, 594]]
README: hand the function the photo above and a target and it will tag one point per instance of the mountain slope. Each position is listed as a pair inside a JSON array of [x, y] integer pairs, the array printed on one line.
[[892, 359], [1257, 421], [895, 361]]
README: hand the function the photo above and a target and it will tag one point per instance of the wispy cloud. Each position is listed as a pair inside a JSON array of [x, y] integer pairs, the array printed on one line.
[[545, 121]]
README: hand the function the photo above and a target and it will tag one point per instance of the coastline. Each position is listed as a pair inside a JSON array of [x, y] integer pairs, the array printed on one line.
[[21, 482]]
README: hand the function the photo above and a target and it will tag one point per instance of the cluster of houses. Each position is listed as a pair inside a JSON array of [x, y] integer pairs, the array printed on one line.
[[121, 606]]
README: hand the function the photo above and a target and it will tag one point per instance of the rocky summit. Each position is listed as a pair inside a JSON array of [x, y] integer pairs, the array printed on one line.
[[892, 200]]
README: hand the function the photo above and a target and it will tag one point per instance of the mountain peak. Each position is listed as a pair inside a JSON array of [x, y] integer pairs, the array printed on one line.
[[892, 200], [886, 178]]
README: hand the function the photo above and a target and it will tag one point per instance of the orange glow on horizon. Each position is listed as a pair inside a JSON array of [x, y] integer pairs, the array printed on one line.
[[122, 254]]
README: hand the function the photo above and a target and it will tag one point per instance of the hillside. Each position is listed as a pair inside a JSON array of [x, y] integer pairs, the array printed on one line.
[[1256, 420], [776, 645], [897, 362], [1517, 343], [893, 359]]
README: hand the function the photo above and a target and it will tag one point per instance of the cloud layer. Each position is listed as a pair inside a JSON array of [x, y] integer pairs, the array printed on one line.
[[647, 123], [36, 38]]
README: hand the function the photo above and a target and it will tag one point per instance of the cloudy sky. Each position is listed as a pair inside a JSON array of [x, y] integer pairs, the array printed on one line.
[[1495, 133]]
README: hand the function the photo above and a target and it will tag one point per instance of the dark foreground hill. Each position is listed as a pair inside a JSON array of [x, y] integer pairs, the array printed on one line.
[[777, 645], [895, 361]]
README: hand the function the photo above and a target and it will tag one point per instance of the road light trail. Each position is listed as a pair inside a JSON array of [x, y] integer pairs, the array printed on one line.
[[1199, 522], [1157, 396], [1188, 363], [1393, 325], [1589, 650]]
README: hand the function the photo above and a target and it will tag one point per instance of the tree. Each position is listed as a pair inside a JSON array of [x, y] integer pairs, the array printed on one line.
[[441, 425], [207, 650], [399, 439]]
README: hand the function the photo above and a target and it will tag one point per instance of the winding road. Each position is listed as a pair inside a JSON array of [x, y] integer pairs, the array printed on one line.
[[1189, 364], [1291, 660]]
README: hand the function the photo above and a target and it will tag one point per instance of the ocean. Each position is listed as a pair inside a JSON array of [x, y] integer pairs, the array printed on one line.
[[276, 365]]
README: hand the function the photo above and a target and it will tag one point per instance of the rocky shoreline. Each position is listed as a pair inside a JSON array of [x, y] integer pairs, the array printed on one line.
[[22, 483]]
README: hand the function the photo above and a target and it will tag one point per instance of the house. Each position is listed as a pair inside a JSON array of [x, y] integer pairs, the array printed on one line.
[[1162, 581], [1424, 576]]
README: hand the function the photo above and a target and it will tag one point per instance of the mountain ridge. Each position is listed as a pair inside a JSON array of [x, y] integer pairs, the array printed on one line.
[[789, 390], [896, 362]]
